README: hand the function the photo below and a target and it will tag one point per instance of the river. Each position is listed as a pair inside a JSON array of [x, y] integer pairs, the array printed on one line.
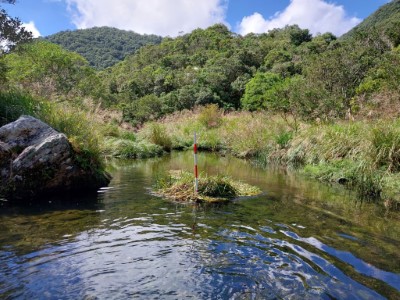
[[299, 240]]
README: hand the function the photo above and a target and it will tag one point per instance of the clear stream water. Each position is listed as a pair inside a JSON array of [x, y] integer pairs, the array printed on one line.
[[298, 240]]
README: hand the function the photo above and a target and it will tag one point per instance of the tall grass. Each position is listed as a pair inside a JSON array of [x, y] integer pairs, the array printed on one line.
[[13, 104], [124, 148], [243, 134], [157, 134], [363, 155], [82, 131]]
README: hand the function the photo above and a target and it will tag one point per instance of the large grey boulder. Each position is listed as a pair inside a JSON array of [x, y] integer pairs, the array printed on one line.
[[35, 160]]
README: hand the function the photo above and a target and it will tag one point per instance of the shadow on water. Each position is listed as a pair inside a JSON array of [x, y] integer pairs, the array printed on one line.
[[299, 240]]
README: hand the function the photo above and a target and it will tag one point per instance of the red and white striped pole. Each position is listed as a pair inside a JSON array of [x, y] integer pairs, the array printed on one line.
[[196, 171]]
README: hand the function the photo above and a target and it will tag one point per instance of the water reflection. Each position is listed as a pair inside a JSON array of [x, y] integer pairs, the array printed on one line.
[[300, 240]]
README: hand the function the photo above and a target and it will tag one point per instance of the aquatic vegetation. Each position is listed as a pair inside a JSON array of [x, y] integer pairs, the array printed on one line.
[[179, 186]]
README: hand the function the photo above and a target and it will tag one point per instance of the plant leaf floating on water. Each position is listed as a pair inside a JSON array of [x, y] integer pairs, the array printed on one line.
[[178, 186]]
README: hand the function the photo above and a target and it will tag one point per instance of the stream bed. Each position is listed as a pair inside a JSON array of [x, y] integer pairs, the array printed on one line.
[[300, 239]]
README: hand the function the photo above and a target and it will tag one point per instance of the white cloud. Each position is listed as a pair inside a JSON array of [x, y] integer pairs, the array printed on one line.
[[316, 15], [32, 28], [162, 17]]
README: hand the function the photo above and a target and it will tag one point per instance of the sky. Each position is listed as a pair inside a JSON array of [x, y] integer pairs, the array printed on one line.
[[175, 17]]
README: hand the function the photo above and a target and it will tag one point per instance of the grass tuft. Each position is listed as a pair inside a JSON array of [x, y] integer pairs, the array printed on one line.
[[179, 186]]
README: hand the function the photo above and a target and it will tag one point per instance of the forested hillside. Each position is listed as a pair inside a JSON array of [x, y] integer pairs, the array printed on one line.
[[102, 46], [285, 71], [385, 21]]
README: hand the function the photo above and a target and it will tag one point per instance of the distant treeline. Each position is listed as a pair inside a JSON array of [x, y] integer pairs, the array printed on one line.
[[102, 46], [286, 71]]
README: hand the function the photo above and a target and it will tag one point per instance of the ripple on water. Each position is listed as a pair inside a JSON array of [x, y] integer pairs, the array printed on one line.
[[133, 245]]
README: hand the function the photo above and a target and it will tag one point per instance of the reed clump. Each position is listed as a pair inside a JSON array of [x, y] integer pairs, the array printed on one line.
[[179, 186]]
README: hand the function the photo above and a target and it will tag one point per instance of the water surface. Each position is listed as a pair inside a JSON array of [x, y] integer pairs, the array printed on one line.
[[298, 240]]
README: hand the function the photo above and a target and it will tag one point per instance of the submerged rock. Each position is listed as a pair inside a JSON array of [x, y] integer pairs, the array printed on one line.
[[35, 160]]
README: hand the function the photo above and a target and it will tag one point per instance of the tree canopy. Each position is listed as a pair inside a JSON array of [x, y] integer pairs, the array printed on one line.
[[102, 46], [11, 30]]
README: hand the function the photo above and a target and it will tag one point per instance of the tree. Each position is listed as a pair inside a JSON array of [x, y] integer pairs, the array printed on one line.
[[46, 69], [256, 93], [11, 30]]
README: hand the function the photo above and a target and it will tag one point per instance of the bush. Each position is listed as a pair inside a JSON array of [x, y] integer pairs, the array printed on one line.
[[142, 110], [255, 95], [283, 139], [210, 116]]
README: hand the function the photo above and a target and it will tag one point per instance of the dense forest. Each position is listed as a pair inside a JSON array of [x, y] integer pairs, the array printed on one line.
[[102, 46], [286, 71], [304, 80]]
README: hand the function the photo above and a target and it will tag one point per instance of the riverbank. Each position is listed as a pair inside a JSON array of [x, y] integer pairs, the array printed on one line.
[[362, 155]]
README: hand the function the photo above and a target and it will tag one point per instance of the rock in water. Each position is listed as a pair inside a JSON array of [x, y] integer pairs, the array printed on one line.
[[35, 160]]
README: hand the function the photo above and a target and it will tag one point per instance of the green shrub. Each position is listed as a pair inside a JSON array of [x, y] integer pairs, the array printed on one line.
[[283, 139], [142, 110], [210, 116], [255, 95]]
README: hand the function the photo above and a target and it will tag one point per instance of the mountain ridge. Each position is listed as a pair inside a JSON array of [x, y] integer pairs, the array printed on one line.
[[102, 46]]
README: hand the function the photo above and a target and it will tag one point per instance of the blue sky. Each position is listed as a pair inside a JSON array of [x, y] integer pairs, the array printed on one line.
[[172, 17]]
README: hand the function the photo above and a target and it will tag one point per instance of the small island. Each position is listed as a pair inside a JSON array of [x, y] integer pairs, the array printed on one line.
[[178, 186]]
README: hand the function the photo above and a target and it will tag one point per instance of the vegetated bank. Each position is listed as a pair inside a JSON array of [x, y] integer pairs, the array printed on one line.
[[362, 154]]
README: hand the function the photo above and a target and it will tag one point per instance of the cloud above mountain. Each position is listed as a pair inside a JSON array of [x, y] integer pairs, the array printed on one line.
[[148, 16], [316, 15], [30, 26]]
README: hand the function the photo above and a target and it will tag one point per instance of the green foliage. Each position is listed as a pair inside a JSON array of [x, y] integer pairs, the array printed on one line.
[[14, 104], [384, 76], [385, 149], [128, 135], [47, 70], [11, 31], [210, 116], [125, 148], [143, 109], [194, 69], [385, 21], [217, 186], [157, 134], [283, 139], [257, 89], [102, 46]]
